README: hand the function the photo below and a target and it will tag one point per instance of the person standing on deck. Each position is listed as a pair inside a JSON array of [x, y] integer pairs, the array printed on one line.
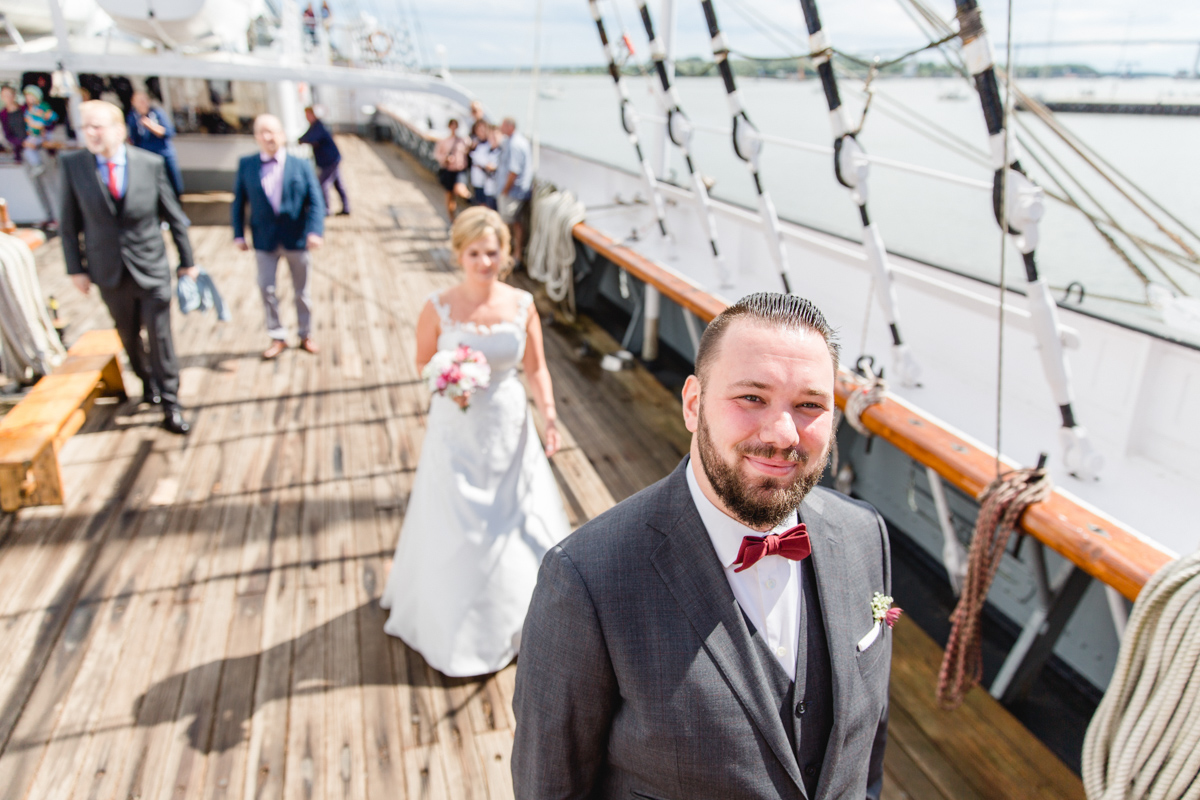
[[287, 219], [328, 158], [484, 158], [484, 506], [150, 129], [514, 179], [725, 632], [12, 121], [450, 154], [115, 196]]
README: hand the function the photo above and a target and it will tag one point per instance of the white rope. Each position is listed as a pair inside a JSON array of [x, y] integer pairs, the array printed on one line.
[[30, 343], [550, 257], [1144, 741], [861, 399]]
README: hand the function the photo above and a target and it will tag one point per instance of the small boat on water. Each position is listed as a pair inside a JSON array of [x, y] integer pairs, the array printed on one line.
[[655, 259]]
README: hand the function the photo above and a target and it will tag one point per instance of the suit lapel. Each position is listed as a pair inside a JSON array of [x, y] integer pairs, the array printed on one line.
[[256, 188], [833, 587], [93, 168], [688, 565]]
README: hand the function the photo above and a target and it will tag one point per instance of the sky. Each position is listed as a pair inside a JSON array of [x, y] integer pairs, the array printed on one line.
[[500, 33]]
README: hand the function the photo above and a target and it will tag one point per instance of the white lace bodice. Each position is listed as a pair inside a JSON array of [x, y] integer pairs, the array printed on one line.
[[503, 343]]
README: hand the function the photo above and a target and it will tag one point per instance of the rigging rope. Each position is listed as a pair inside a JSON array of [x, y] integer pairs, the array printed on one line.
[[747, 142], [1001, 506], [629, 117], [679, 130], [1144, 741], [851, 168], [550, 257]]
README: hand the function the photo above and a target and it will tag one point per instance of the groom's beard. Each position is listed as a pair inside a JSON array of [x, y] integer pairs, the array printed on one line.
[[758, 503]]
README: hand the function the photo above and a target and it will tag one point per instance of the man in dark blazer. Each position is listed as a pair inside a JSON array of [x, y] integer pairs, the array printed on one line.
[[685, 644], [115, 196], [287, 219]]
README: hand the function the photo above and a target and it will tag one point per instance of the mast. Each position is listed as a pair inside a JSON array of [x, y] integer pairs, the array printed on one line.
[[629, 119], [1017, 201], [679, 130], [851, 167], [747, 143]]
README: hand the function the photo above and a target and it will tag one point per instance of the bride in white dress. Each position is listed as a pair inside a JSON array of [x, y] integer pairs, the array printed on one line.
[[484, 506]]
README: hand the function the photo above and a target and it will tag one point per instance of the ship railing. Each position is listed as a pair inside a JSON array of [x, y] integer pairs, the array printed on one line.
[[1094, 545]]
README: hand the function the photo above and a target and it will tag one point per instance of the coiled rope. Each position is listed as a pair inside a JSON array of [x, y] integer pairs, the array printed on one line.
[[1001, 506], [1144, 740], [856, 404], [550, 257]]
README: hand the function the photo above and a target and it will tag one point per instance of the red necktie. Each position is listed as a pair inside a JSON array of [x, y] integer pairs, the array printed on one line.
[[792, 544], [113, 188]]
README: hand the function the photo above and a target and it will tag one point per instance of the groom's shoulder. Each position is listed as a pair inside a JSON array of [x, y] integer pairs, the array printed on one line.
[[835, 506], [623, 530]]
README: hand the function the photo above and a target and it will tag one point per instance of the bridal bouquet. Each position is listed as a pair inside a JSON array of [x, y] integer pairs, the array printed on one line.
[[457, 374]]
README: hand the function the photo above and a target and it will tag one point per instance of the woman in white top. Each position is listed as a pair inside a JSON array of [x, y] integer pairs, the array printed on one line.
[[484, 506]]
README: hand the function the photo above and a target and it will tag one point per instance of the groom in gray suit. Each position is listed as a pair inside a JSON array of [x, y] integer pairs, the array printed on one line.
[[713, 636]]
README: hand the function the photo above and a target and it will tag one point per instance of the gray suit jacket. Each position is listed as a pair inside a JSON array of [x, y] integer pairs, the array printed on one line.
[[126, 235], [637, 676]]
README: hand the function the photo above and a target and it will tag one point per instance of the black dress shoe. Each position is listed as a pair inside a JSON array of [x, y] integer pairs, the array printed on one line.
[[174, 422]]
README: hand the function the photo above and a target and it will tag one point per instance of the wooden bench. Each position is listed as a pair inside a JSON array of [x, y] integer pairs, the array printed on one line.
[[32, 434]]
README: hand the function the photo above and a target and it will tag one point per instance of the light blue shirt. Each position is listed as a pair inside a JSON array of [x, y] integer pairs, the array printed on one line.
[[118, 161], [516, 157]]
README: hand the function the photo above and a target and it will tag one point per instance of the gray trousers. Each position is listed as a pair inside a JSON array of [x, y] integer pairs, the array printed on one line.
[[268, 264]]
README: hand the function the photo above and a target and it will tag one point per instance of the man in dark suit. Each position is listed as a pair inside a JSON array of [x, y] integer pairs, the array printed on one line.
[[115, 197], [695, 641], [287, 218]]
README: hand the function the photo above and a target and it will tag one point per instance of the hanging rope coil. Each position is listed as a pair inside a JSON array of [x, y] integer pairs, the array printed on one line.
[[1144, 740], [1001, 506], [550, 257]]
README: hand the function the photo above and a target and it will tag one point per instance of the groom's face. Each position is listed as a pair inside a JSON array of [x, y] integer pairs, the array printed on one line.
[[762, 419]]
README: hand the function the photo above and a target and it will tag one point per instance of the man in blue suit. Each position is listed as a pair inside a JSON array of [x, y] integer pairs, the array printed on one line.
[[287, 218]]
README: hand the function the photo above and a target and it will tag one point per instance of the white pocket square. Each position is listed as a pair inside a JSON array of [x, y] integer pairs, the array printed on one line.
[[871, 636]]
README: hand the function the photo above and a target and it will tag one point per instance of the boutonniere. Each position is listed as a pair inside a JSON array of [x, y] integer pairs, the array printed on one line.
[[884, 613]]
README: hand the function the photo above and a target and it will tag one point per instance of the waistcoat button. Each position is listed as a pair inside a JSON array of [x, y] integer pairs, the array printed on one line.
[[801, 707]]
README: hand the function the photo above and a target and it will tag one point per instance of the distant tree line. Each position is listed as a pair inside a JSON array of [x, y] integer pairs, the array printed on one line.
[[694, 67]]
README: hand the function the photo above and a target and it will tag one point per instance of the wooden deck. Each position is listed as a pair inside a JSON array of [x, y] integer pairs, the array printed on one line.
[[200, 619]]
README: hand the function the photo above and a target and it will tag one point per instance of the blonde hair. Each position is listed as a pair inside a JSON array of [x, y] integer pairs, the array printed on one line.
[[475, 223], [117, 115]]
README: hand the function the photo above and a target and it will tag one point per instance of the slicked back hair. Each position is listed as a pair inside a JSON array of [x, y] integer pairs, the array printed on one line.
[[767, 308]]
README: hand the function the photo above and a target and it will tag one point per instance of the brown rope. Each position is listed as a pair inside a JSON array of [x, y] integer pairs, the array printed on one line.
[[1001, 506]]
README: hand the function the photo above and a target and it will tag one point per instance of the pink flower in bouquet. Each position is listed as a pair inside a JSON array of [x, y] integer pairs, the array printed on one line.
[[457, 373], [892, 615]]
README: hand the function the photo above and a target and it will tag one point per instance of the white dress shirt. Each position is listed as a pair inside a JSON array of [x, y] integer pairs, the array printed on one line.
[[768, 592]]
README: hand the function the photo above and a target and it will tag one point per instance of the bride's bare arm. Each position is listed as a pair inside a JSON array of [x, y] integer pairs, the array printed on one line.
[[539, 380], [429, 327]]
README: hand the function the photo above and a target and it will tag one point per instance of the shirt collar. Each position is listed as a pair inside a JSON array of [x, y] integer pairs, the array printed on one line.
[[725, 532], [280, 156], [118, 158]]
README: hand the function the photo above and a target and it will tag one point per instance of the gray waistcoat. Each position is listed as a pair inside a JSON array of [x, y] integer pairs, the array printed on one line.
[[806, 706]]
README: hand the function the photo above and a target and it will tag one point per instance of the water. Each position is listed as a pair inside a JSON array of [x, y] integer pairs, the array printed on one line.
[[947, 224]]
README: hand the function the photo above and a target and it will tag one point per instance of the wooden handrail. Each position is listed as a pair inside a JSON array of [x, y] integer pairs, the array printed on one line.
[[1102, 547]]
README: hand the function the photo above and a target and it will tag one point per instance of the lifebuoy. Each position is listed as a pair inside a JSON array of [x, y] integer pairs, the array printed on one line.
[[380, 43]]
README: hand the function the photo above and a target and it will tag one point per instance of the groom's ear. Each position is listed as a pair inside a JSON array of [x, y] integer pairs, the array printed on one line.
[[691, 403]]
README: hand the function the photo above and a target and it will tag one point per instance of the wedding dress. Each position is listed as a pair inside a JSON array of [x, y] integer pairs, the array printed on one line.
[[483, 511]]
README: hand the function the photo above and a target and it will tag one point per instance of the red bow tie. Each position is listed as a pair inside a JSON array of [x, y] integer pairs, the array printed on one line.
[[792, 544]]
